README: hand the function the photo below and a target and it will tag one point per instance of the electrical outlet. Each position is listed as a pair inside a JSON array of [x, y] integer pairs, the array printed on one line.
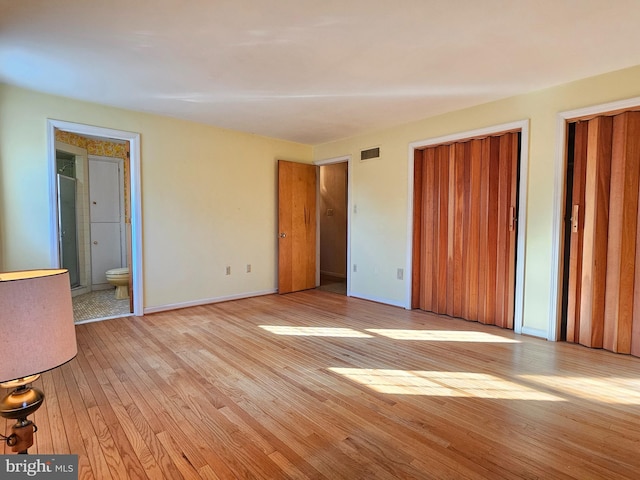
[[248, 268], [228, 271], [400, 274]]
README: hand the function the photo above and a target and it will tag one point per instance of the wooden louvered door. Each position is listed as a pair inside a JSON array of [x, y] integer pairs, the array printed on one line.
[[603, 294], [465, 203]]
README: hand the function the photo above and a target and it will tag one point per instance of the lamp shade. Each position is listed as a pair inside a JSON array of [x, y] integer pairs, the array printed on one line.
[[37, 332]]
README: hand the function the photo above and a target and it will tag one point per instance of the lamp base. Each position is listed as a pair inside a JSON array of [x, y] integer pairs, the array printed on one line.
[[21, 437], [17, 405], [21, 403]]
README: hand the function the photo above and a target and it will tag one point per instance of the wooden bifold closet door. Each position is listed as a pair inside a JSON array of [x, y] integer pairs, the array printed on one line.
[[465, 229], [603, 298]]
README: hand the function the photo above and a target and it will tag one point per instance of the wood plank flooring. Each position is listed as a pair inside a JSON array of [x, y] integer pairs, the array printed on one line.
[[318, 385]]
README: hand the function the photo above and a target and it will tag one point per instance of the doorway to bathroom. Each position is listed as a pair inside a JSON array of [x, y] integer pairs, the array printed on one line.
[[93, 219]]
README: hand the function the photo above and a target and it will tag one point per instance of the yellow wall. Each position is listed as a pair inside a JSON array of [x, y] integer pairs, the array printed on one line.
[[380, 186], [208, 197]]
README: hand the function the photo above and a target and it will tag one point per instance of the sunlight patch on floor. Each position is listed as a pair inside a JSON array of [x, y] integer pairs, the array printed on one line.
[[314, 331], [623, 391], [441, 335], [442, 384]]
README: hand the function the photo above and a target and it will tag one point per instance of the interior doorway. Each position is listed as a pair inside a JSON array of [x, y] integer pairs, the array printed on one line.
[[600, 285], [333, 218], [92, 215], [333, 186], [106, 216], [465, 226], [466, 257]]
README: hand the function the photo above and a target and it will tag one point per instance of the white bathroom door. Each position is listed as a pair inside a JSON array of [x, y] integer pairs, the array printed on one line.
[[106, 215], [104, 191]]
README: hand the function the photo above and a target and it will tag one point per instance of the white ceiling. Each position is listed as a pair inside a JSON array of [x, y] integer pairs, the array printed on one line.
[[310, 71]]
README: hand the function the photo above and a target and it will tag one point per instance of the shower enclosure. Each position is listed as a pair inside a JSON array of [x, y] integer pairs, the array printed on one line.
[[67, 217], [68, 241]]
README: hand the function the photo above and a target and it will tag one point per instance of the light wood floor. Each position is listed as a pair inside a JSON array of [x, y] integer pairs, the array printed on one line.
[[318, 385]]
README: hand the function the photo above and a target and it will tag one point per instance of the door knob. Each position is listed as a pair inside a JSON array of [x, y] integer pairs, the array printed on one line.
[[95, 242], [282, 234]]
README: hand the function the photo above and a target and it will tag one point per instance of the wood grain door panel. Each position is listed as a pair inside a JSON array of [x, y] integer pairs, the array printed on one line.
[[577, 231], [594, 260], [296, 226], [603, 306], [464, 200], [621, 247]]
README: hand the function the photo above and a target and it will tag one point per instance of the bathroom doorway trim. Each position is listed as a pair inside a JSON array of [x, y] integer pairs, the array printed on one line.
[[134, 178]]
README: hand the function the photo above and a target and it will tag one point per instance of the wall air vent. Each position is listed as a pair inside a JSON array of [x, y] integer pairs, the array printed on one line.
[[370, 153]]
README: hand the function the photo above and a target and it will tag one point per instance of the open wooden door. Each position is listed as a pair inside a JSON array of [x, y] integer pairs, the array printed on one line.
[[296, 226]]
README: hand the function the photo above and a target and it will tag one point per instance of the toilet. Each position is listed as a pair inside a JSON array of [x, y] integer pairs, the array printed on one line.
[[119, 277]]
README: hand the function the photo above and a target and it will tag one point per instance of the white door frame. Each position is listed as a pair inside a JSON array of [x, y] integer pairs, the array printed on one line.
[[320, 163], [134, 180], [560, 174], [523, 126]]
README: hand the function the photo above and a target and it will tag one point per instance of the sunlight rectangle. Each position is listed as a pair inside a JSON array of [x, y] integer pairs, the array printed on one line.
[[441, 335], [620, 390], [314, 331], [442, 384]]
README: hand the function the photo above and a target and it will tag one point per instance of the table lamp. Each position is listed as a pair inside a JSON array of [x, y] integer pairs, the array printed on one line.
[[37, 334]]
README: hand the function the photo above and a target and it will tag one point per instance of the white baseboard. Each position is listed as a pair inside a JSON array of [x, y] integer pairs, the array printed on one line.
[[386, 301], [206, 301]]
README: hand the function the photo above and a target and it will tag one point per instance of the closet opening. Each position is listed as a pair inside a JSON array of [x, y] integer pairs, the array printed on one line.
[[601, 278], [465, 228], [571, 134]]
